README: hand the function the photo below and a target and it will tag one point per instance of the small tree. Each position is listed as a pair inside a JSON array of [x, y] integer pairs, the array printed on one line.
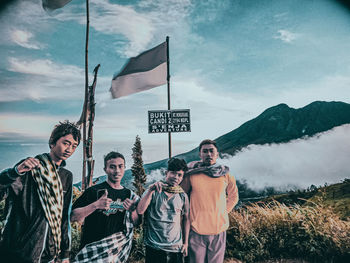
[[138, 172]]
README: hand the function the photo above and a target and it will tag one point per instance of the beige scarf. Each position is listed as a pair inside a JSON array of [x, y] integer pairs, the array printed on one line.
[[172, 189], [214, 171], [51, 195]]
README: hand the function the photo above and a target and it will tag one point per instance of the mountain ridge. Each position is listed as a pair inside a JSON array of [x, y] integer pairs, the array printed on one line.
[[277, 124]]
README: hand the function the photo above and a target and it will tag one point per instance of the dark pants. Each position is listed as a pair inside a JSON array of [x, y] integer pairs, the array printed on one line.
[[161, 256]]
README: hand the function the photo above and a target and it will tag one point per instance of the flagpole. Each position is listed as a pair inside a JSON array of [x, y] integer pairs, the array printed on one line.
[[168, 82], [83, 180]]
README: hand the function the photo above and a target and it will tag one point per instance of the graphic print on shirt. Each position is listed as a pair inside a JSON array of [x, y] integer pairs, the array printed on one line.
[[114, 207]]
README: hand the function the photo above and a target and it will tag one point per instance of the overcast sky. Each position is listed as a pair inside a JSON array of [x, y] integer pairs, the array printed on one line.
[[229, 61]]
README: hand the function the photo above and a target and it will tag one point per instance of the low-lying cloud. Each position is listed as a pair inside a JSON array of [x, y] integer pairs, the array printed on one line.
[[298, 164]]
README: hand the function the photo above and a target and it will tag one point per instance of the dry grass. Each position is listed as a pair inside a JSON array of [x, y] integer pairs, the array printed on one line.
[[276, 233], [262, 232], [273, 233]]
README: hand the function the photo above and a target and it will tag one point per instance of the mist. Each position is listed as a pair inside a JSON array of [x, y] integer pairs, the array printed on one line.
[[317, 160]]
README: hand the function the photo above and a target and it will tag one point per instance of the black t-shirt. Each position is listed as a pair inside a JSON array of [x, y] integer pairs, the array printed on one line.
[[101, 223]]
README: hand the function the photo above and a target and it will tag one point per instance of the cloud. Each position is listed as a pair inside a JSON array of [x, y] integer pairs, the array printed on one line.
[[42, 79], [318, 160], [114, 19], [155, 175], [20, 16], [141, 25], [124, 20], [205, 102], [286, 36], [281, 15], [213, 113], [28, 125], [134, 29], [44, 67], [12, 137], [23, 38]]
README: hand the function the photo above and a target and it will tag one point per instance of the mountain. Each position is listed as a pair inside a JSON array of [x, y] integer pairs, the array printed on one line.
[[278, 124]]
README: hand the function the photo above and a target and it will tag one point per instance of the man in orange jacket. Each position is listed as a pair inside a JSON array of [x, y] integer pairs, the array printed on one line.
[[213, 194]]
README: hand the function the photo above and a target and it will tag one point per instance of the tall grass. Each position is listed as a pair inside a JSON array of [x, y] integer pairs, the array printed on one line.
[[264, 231], [269, 232]]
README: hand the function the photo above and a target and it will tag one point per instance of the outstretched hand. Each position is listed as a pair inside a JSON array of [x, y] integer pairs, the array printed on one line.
[[28, 165], [104, 202]]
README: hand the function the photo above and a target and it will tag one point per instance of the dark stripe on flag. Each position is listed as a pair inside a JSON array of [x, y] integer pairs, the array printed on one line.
[[54, 4], [146, 61]]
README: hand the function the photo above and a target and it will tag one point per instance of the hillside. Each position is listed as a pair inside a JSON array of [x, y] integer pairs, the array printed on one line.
[[336, 196], [278, 124]]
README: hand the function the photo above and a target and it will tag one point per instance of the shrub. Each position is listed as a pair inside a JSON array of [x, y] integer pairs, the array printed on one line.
[[76, 235], [138, 248]]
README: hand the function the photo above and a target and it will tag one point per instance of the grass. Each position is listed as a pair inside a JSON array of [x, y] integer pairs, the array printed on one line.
[[336, 196], [273, 231], [314, 230]]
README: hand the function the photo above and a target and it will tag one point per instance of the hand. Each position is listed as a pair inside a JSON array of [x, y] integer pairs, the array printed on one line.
[[28, 165], [104, 202], [156, 186], [192, 164], [184, 249], [129, 204]]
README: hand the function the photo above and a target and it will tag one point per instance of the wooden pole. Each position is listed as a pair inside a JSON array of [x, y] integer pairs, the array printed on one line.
[[90, 160], [83, 179], [168, 82]]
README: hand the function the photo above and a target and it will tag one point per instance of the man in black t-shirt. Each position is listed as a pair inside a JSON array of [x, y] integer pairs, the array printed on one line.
[[108, 212], [102, 222]]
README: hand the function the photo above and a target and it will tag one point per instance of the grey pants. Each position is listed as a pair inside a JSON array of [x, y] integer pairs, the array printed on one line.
[[206, 248]]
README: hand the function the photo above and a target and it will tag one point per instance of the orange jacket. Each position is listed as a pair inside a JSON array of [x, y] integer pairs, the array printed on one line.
[[211, 199]]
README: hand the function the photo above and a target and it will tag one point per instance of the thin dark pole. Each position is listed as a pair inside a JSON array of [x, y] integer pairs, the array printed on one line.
[[83, 180], [168, 80]]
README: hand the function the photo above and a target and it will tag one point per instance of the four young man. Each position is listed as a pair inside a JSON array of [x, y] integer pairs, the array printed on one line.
[[179, 220]]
